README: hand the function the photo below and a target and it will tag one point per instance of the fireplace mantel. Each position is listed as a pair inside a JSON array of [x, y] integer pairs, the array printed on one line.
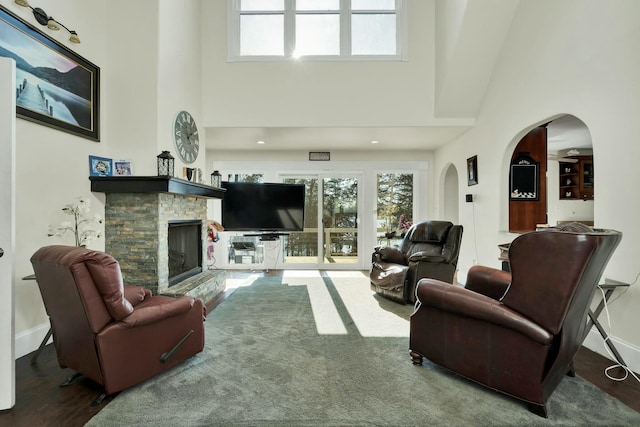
[[153, 184]]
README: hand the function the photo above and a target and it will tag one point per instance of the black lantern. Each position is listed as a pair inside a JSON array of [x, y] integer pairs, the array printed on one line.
[[216, 179], [165, 164]]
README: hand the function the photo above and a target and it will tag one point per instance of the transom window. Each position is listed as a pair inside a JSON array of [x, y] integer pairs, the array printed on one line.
[[316, 29]]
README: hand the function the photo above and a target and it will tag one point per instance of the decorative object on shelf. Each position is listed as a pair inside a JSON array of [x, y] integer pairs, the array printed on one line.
[[188, 173], [524, 178], [576, 178], [82, 225], [472, 170], [216, 179], [52, 24], [122, 168], [66, 98], [185, 137], [165, 164], [100, 166]]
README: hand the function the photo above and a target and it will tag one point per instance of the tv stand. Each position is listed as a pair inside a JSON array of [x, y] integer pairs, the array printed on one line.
[[268, 237]]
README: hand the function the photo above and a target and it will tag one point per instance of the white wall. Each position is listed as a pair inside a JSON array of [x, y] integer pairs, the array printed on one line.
[[51, 168], [563, 57], [315, 93], [141, 90]]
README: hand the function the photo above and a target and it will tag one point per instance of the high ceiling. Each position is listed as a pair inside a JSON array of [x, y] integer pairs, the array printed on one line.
[[479, 35], [326, 139]]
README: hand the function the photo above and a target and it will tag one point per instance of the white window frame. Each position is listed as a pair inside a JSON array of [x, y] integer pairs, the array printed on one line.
[[233, 36]]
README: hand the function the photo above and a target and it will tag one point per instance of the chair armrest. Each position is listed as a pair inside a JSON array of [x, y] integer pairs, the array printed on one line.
[[154, 312], [389, 254], [426, 257], [469, 304], [136, 294], [488, 281]]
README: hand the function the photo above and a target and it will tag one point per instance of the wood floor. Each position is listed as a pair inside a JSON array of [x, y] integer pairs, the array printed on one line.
[[41, 402]]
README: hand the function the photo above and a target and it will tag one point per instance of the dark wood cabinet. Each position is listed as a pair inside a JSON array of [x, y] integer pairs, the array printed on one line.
[[577, 179]]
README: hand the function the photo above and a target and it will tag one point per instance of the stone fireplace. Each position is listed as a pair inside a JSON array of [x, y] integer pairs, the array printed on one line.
[[138, 216]]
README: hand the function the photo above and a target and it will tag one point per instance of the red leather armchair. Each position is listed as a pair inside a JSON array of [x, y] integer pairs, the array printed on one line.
[[116, 335], [429, 249], [516, 333]]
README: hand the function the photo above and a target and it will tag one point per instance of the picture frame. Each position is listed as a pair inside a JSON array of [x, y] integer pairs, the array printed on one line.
[[100, 166], [122, 168], [55, 87], [524, 179], [472, 170]]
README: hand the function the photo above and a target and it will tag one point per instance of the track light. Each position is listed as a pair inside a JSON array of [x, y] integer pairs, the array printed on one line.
[[44, 19]]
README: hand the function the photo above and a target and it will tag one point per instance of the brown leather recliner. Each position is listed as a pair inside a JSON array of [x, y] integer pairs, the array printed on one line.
[[116, 335], [429, 249], [516, 332]]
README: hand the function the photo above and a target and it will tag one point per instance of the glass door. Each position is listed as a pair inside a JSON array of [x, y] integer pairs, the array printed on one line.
[[330, 236]]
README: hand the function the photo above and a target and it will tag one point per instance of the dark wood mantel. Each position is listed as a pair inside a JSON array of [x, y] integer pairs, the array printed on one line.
[[153, 184]]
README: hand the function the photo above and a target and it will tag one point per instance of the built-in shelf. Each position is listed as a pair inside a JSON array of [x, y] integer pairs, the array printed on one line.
[[153, 184], [576, 179]]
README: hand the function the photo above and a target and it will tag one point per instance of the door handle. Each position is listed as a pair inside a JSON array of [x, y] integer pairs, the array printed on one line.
[[1, 252]]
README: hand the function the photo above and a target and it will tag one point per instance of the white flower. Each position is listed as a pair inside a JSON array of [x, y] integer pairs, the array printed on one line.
[[81, 226]]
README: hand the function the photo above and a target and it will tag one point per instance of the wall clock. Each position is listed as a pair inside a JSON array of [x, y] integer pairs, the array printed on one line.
[[185, 137]]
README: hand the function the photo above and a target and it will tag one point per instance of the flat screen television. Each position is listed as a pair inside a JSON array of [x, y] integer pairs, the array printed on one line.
[[269, 207]]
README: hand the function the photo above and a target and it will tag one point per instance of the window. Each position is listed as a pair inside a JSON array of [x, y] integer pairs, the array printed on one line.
[[316, 29], [394, 203]]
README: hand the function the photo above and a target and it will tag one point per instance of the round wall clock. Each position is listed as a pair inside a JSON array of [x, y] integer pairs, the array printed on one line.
[[185, 137]]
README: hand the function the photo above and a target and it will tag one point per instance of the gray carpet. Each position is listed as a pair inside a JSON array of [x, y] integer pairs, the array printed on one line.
[[265, 364]]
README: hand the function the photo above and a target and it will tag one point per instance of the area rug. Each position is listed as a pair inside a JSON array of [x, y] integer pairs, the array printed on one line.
[[326, 351]]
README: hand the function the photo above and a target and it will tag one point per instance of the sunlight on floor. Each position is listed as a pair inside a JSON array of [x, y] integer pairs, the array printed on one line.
[[373, 316]]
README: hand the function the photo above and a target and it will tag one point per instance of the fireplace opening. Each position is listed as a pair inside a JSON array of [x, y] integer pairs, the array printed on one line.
[[185, 250]]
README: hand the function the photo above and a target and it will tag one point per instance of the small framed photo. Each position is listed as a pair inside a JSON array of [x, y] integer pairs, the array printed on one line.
[[122, 168], [100, 166], [472, 170]]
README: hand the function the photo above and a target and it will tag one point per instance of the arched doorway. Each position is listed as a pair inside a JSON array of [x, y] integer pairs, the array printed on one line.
[[450, 195], [561, 150]]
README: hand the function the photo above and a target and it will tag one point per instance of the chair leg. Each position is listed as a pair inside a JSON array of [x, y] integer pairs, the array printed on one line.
[[99, 400], [540, 410], [416, 358], [71, 380], [572, 370]]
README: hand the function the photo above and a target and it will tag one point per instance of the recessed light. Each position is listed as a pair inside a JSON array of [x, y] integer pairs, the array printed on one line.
[[375, 141], [260, 142]]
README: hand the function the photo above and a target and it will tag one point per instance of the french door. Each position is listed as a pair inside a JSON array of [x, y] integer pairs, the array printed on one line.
[[331, 229]]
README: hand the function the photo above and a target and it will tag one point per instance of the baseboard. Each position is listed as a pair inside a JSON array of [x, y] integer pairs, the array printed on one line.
[[30, 340], [629, 352]]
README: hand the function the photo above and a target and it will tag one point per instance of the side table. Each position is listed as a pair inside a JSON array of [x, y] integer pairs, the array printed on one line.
[[608, 287], [35, 356]]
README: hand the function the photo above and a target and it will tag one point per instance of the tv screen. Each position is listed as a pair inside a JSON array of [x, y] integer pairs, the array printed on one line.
[[249, 206]]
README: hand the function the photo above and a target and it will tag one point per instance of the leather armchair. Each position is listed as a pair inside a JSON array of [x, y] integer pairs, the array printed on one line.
[[115, 335], [516, 333], [429, 249]]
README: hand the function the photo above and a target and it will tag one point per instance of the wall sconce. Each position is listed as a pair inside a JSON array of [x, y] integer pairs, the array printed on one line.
[[44, 19]]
